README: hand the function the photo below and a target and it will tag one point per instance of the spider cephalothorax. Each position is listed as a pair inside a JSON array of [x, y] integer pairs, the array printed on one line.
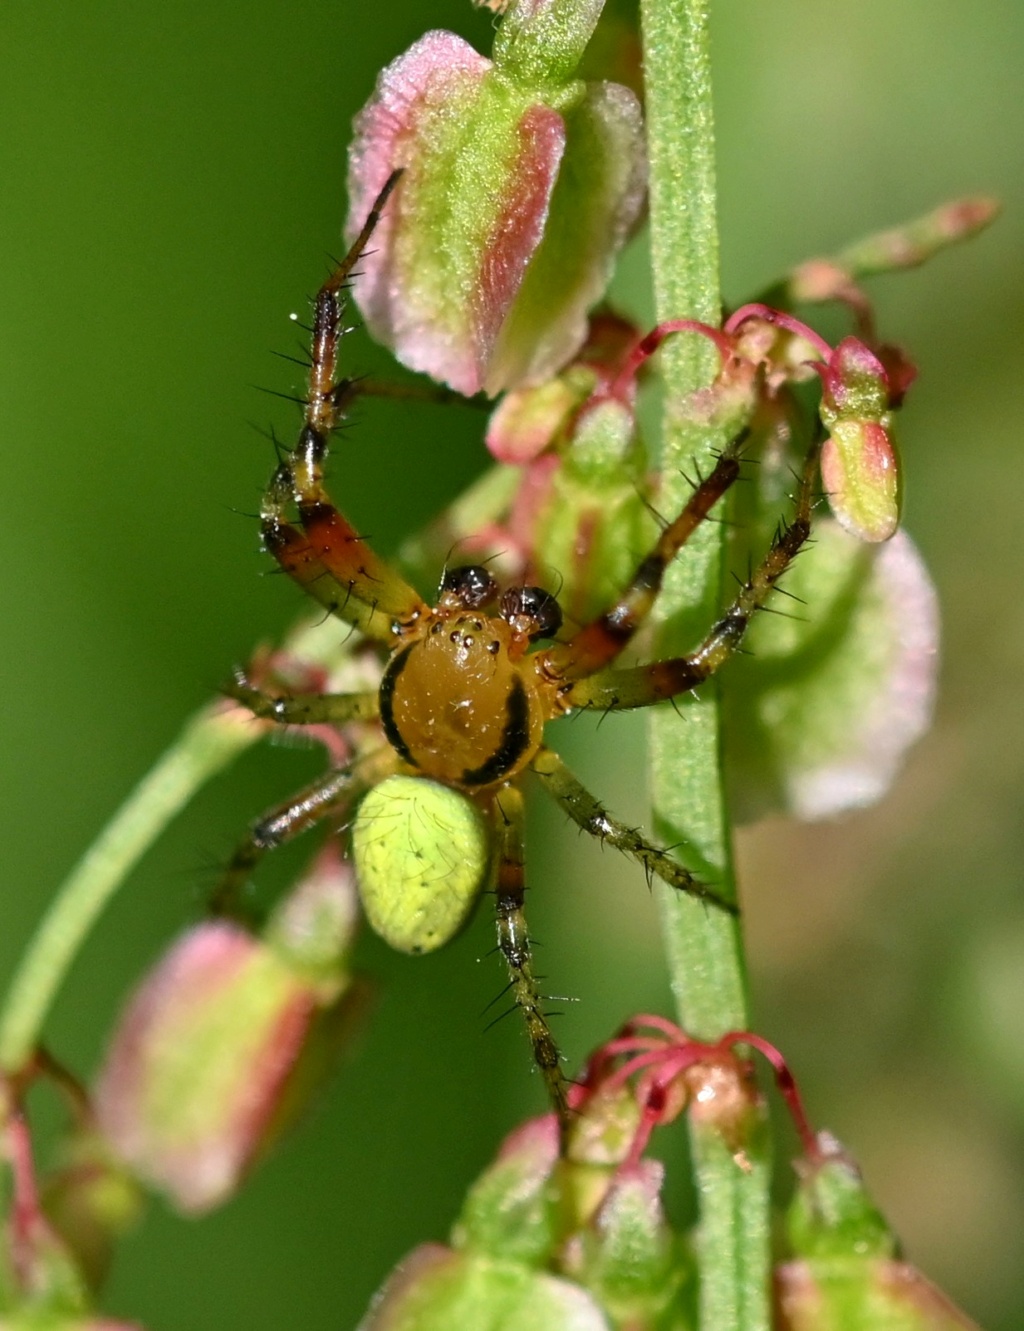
[[467, 690], [461, 701]]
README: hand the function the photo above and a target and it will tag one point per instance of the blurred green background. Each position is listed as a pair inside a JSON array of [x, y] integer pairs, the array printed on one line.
[[174, 178]]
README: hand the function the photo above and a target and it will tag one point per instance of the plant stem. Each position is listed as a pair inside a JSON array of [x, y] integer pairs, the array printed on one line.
[[704, 946], [208, 742]]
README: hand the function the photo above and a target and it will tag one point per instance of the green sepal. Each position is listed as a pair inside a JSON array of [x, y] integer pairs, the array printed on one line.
[[541, 42], [831, 1214], [638, 1269], [512, 1210]]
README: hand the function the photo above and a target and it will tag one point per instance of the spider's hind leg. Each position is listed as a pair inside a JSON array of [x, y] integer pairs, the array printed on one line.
[[328, 795], [514, 945], [591, 816]]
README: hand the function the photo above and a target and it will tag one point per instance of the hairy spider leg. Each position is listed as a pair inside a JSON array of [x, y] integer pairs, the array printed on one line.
[[292, 551], [591, 816], [598, 643], [641, 686], [327, 795], [514, 945], [327, 557], [304, 709]]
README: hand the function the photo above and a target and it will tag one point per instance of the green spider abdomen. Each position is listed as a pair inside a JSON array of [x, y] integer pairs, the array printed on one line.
[[421, 855], [458, 707]]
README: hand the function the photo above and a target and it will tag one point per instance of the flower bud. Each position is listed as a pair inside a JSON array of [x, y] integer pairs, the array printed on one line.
[[629, 1257], [859, 464], [436, 1289], [224, 1042], [854, 384], [529, 421], [314, 926], [592, 523], [846, 1274], [915, 242], [91, 1201], [512, 1210], [860, 471], [519, 186], [41, 1285]]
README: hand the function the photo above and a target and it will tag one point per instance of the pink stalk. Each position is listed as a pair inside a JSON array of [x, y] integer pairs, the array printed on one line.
[[648, 345], [781, 320], [786, 1083]]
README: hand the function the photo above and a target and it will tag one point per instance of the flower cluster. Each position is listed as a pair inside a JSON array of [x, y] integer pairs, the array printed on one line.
[[584, 1240]]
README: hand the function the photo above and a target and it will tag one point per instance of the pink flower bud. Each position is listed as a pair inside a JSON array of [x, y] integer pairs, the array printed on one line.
[[860, 471], [519, 187], [528, 421], [846, 1272], [876, 1293], [854, 384], [211, 1058]]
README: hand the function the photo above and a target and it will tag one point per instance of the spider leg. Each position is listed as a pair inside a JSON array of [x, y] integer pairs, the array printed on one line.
[[328, 558], [304, 709], [598, 643], [338, 595], [640, 686], [591, 816], [514, 945], [321, 798]]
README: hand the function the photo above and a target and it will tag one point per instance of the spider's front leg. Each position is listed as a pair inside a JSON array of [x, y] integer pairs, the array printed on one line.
[[514, 945], [304, 709], [324, 554], [641, 686], [598, 643]]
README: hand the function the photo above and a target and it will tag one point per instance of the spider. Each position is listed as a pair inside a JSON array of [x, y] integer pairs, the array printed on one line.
[[469, 685]]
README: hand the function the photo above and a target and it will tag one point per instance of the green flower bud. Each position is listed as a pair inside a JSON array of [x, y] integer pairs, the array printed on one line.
[[41, 1285], [436, 1289], [847, 1276], [91, 1201], [512, 1209], [593, 525], [860, 471], [630, 1259]]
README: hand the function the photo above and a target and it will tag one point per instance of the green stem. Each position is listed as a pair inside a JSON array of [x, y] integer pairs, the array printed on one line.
[[208, 742], [704, 947]]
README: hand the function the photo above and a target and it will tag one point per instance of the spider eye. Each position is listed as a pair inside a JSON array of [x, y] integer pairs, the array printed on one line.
[[533, 603], [471, 585]]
